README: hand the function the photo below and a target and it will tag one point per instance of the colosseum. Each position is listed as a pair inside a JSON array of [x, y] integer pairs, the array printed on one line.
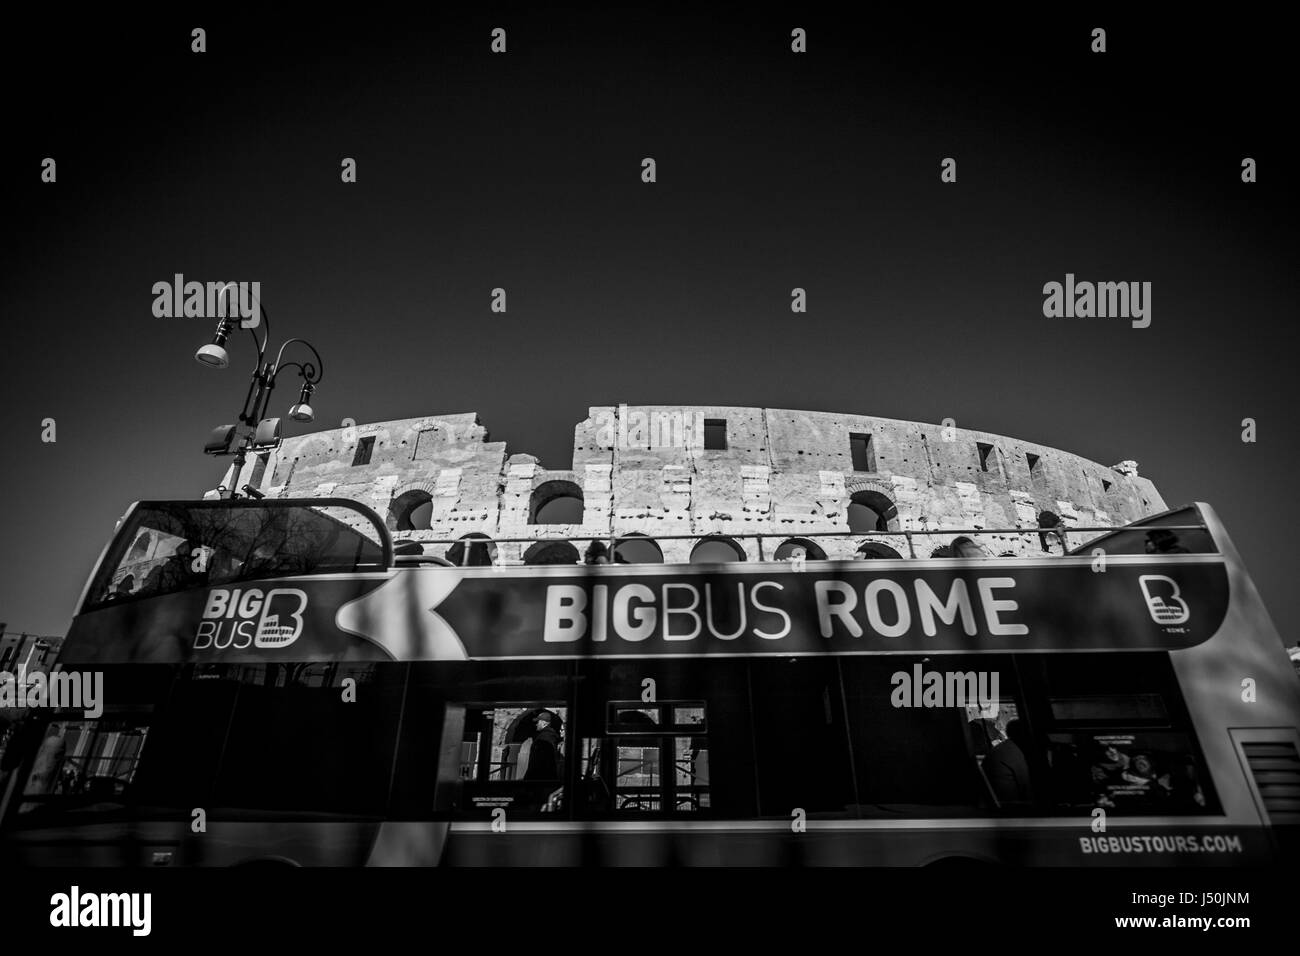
[[681, 483]]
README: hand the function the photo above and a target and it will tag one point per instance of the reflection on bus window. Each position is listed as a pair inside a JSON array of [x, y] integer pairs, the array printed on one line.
[[643, 766], [1120, 738], [947, 756], [93, 761], [1125, 707], [637, 775], [1153, 771], [633, 715], [691, 762], [1191, 536], [176, 546], [685, 716]]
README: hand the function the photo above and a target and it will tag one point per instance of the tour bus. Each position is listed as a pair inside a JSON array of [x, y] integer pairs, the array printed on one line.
[[278, 688]]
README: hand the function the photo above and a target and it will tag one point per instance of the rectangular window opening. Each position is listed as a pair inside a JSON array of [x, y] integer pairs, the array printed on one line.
[[1033, 463], [986, 452], [864, 453], [364, 448], [715, 434]]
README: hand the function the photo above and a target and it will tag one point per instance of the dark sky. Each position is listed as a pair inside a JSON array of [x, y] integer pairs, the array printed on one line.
[[775, 170]]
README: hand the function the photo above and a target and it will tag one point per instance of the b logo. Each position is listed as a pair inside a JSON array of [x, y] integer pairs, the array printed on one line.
[[270, 632], [1167, 607], [243, 618]]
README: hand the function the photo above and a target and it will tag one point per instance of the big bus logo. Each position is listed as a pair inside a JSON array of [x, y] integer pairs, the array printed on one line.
[[241, 618], [1163, 600]]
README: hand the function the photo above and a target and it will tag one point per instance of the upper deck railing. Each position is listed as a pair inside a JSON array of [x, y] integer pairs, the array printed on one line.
[[1155, 538]]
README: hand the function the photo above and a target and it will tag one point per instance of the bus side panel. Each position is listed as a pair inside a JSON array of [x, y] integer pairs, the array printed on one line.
[[751, 844], [172, 843], [1239, 680]]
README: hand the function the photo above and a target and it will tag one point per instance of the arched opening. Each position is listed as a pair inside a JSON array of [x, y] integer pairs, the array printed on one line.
[[412, 511], [637, 549], [556, 502], [480, 552], [874, 549], [552, 552], [717, 549], [785, 550], [872, 511]]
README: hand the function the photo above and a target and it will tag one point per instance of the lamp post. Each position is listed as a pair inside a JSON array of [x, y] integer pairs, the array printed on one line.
[[265, 432]]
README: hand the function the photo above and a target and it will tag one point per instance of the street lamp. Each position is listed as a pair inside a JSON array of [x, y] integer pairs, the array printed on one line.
[[302, 412], [215, 354], [266, 431]]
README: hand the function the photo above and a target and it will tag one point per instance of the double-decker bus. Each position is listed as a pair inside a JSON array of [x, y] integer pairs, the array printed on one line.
[[279, 688]]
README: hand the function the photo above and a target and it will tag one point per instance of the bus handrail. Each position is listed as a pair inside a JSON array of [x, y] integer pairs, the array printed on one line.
[[742, 536], [613, 539]]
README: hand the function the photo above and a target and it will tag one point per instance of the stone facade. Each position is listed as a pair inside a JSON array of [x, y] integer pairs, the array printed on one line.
[[658, 471]]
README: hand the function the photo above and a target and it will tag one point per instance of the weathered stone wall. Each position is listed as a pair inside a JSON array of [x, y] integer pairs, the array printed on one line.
[[645, 470]]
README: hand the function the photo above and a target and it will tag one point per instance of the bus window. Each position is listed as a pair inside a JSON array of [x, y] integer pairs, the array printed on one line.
[[1140, 772], [186, 739], [691, 767], [512, 757], [311, 737], [84, 764], [801, 747], [664, 738], [634, 716], [638, 774], [1120, 737], [939, 736], [167, 547], [647, 764], [1181, 531]]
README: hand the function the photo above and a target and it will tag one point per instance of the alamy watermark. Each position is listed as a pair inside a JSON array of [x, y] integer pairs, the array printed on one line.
[[1102, 300], [58, 690], [922, 688], [77, 909], [208, 300], [634, 428]]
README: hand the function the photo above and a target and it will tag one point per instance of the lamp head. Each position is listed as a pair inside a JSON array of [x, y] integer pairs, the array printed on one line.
[[267, 434], [214, 354], [221, 441], [301, 410]]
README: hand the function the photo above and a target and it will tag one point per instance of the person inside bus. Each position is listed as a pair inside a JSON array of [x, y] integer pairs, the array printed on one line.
[[224, 566], [966, 548], [1051, 524], [544, 754], [262, 563], [1161, 541], [597, 553], [174, 574], [1007, 769]]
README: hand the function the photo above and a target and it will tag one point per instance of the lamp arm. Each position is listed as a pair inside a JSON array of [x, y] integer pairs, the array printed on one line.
[[312, 373]]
